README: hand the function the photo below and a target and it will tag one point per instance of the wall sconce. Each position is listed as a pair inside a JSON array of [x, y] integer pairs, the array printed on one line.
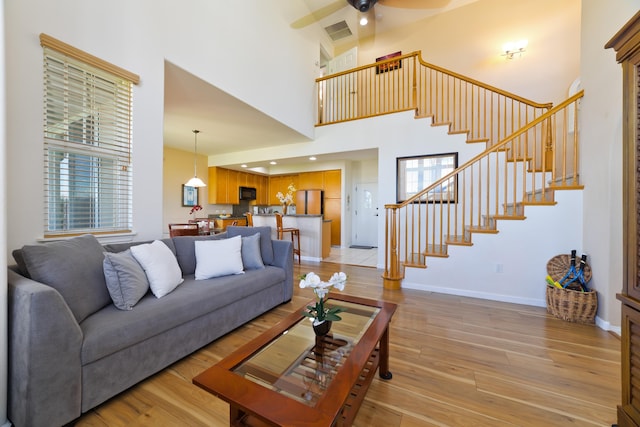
[[514, 49]]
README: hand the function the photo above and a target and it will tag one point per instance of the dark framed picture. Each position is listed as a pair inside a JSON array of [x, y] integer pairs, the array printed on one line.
[[189, 196], [388, 66], [415, 173]]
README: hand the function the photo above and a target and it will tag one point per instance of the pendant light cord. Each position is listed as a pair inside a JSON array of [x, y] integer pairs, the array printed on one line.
[[195, 153]]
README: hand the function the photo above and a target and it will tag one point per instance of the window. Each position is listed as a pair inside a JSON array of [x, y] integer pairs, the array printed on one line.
[[414, 174], [87, 143]]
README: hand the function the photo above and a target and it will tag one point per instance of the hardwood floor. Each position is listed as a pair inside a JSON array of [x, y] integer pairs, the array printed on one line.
[[455, 361]]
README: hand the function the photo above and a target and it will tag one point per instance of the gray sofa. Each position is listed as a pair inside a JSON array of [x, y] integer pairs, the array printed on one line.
[[71, 348]]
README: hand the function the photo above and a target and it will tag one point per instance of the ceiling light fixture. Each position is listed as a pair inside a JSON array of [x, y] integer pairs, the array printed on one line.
[[364, 21], [243, 165], [273, 163], [312, 158], [511, 49], [195, 181]]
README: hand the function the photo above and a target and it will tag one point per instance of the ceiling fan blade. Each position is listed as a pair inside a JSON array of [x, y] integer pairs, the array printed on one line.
[[415, 4], [319, 14]]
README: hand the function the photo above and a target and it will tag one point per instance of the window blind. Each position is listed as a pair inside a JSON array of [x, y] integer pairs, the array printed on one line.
[[87, 147]]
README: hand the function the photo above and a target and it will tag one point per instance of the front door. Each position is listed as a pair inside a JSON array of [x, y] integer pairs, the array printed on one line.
[[365, 214]]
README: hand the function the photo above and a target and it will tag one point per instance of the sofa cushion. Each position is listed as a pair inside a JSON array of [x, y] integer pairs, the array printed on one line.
[[160, 266], [74, 268], [126, 280], [111, 330], [216, 258], [251, 254], [121, 247], [265, 239], [186, 251]]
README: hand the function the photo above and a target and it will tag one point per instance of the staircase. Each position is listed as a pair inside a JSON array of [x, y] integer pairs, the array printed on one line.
[[531, 152]]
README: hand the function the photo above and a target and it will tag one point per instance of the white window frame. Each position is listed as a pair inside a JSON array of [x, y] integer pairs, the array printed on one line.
[[87, 143]]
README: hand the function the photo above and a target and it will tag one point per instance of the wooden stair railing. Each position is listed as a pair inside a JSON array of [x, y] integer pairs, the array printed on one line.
[[485, 113], [522, 169]]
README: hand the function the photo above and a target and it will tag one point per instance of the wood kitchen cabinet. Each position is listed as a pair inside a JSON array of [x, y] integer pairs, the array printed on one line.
[[262, 190], [626, 43], [221, 224], [224, 186], [280, 183], [311, 180], [332, 184], [218, 178], [332, 212]]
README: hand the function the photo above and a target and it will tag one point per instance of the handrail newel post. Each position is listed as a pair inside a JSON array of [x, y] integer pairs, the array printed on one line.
[[392, 276]]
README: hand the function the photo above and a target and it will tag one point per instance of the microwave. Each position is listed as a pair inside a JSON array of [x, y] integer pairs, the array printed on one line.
[[247, 193]]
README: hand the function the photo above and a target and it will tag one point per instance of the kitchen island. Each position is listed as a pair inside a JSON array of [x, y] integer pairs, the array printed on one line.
[[312, 228]]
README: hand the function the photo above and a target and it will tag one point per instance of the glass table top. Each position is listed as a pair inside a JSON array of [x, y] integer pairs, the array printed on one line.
[[300, 365]]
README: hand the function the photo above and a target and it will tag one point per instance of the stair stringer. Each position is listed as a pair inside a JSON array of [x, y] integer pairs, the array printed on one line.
[[509, 266]]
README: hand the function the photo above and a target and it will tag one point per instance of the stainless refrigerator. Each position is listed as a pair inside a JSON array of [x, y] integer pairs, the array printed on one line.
[[309, 202]]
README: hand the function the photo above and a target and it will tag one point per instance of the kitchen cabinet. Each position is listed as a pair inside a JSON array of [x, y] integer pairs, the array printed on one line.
[[222, 223], [262, 190], [332, 212], [280, 183], [332, 183], [224, 186], [311, 180], [218, 178], [626, 43]]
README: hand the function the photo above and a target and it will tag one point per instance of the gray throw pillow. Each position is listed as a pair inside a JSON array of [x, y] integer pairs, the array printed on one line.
[[126, 280], [74, 268], [266, 248], [251, 255]]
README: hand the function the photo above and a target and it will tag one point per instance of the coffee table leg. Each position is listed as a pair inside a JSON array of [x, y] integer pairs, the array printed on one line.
[[383, 370], [235, 415]]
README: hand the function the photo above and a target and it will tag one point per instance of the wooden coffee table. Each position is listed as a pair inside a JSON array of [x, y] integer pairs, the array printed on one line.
[[289, 377]]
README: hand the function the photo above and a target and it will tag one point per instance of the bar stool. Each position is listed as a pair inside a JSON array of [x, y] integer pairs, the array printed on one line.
[[249, 216], [294, 232]]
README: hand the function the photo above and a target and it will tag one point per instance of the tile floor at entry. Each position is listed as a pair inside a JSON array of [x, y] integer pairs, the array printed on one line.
[[364, 257]]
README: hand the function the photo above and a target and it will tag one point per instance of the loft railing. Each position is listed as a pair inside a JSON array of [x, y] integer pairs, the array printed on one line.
[[522, 169], [485, 113]]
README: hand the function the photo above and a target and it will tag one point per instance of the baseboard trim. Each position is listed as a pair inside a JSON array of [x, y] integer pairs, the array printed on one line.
[[475, 294]]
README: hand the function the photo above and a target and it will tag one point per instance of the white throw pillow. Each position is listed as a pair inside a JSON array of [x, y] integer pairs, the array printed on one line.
[[160, 265], [218, 257]]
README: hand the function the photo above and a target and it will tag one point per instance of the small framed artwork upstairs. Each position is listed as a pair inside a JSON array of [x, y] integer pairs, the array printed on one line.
[[189, 196], [388, 66]]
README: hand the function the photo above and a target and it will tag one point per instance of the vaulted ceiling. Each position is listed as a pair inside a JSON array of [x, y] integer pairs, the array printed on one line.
[[190, 101]]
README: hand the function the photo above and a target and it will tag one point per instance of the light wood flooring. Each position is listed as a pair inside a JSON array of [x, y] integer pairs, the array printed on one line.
[[455, 362]]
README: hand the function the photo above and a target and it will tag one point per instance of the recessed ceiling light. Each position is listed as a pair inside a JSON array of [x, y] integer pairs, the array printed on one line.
[[273, 163], [312, 158], [243, 165]]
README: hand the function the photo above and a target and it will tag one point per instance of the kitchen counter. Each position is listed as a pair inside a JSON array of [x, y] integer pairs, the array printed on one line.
[[311, 232]]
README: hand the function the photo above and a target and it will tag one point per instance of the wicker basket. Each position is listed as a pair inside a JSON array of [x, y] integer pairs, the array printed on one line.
[[572, 306], [558, 266]]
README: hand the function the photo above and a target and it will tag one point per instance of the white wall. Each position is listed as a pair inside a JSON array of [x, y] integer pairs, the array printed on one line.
[[601, 148], [469, 41], [511, 265], [194, 35]]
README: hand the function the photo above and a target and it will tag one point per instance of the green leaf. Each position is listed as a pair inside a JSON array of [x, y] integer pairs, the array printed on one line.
[[333, 317]]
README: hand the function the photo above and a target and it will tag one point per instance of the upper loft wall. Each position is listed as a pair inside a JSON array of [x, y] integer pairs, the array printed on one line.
[[468, 40], [249, 50]]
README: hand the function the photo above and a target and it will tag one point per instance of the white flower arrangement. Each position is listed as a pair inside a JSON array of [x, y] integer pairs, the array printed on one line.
[[318, 312], [286, 199]]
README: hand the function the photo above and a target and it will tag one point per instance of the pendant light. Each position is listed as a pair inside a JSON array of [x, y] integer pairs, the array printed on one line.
[[195, 181]]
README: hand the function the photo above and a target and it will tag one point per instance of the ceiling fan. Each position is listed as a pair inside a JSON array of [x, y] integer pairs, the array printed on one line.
[[365, 6]]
